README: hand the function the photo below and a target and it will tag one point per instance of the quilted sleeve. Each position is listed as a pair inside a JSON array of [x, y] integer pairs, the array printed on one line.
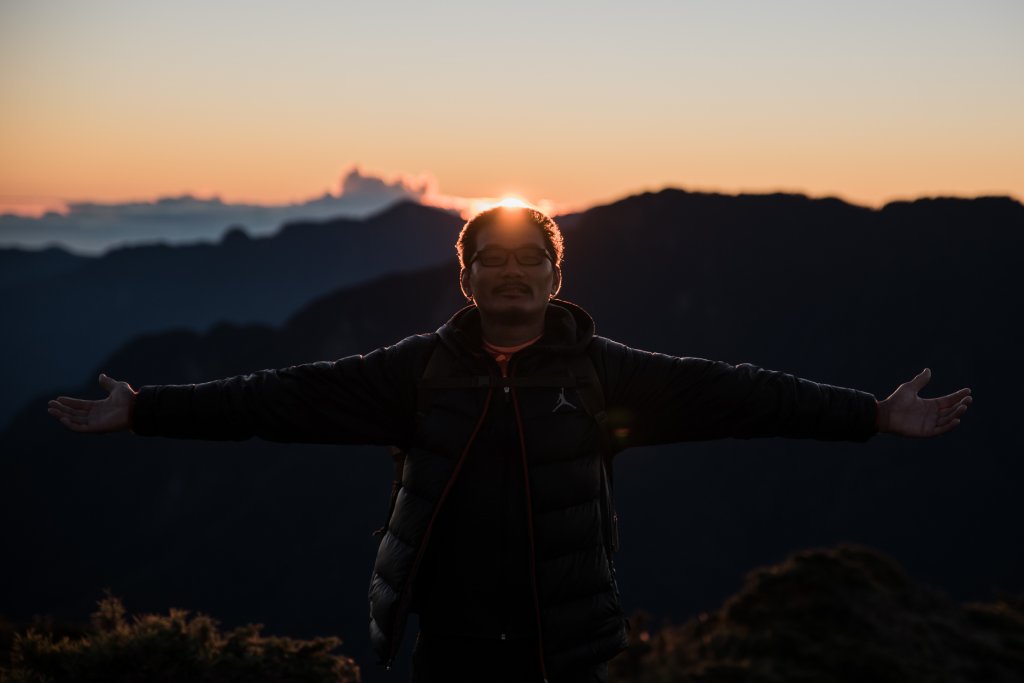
[[367, 399], [655, 398]]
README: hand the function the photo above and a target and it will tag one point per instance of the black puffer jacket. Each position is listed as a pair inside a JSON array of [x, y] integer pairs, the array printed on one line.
[[651, 399]]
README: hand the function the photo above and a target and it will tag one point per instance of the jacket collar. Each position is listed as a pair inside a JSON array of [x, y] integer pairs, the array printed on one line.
[[567, 329]]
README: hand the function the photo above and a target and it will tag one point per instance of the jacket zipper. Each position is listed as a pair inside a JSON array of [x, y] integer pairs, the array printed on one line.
[[529, 528], [407, 587], [506, 466]]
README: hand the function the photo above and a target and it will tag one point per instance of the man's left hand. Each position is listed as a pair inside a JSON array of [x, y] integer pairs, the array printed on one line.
[[907, 414]]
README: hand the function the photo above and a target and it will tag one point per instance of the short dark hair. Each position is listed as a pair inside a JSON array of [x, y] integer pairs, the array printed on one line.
[[466, 244]]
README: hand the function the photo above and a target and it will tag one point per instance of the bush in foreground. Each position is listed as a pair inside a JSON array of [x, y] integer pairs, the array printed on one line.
[[156, 648], [837, 615]]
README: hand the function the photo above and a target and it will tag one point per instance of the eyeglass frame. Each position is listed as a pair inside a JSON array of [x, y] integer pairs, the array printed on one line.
[[511, 252]]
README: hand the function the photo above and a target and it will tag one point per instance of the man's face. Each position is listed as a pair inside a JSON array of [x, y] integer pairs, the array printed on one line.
[[512, 292]]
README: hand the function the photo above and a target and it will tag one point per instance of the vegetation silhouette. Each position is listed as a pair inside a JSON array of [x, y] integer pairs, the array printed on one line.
[[170, 648], [847, 613]]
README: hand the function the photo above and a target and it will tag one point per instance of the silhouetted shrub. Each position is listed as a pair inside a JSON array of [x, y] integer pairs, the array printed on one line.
[[156, 648], [831, 616]]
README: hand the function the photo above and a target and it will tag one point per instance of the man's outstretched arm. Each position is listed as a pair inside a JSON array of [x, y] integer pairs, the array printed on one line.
[[357, 399], [657, 398]]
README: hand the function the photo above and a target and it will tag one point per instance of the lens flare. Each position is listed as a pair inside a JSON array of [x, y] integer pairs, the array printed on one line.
[[473, 206]]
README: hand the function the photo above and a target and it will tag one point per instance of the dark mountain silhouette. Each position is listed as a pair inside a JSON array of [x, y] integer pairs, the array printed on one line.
[[837, 614], [255, 531], [24, 267], [51, 299]]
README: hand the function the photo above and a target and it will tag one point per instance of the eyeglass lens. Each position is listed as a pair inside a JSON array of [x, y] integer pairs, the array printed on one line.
[[525, 256]]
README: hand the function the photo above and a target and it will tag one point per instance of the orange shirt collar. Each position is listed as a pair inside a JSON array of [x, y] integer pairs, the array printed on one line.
[[509, 350]]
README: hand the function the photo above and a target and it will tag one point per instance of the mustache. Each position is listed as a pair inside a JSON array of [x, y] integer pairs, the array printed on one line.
[[513, 287]]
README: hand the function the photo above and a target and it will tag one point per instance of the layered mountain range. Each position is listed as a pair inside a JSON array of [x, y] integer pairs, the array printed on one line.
[[280, 533]]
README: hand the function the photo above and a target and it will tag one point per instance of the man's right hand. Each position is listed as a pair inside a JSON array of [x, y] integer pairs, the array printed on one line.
[[111, 414]]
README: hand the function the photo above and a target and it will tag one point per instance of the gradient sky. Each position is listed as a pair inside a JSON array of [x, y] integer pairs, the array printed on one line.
[[574, 102]]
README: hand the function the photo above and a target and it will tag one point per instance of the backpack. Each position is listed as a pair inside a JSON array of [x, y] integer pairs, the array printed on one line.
[[437, 375]]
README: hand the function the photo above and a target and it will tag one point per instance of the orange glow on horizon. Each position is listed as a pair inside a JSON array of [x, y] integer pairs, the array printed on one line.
[[29, 208], [471, 206], [785, 98]]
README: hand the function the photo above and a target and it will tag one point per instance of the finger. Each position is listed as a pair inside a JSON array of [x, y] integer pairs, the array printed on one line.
[[79, 406], [107, 382], [78, 419], [952, 412], [946, 427], [943, 412], [72, 425], [921, 379], [60, 411], [64, 412], [950, 399], [960, 410], [77, 403]]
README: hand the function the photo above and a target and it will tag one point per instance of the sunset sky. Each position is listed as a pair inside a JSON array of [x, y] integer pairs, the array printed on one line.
[[570, 102]]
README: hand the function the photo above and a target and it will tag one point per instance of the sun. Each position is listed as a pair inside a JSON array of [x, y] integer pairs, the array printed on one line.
[[512, 203], [480, 204]]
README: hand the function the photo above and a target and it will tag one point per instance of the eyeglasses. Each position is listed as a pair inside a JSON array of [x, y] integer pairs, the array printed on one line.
[[496, 256]]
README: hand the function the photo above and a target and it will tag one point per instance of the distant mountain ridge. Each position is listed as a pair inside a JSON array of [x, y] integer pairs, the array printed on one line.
[[255, 531]]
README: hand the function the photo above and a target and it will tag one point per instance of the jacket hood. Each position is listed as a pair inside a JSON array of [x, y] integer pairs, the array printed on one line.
[[567, 329]]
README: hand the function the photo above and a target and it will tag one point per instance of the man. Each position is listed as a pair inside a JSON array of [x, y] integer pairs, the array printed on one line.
[[502, 533]]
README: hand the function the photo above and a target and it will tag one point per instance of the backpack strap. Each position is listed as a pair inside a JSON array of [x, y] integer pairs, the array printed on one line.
[[591, 393], [438, 367], [438, 375], [396, 484]]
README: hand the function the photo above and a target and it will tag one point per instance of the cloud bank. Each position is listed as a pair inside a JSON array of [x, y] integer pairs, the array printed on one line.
[[91, 228]]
